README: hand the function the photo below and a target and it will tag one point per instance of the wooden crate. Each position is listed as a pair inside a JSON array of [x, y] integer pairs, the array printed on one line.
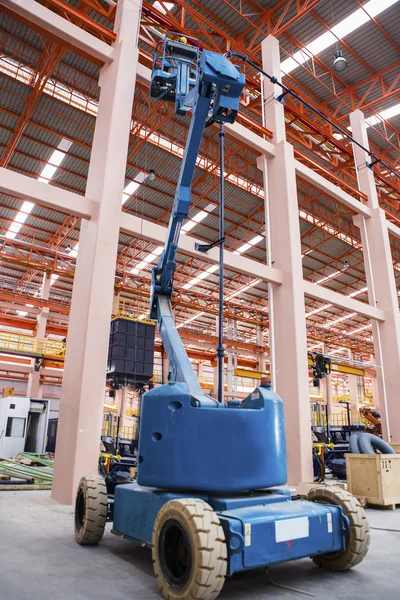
[[396, 447], [374, 478]]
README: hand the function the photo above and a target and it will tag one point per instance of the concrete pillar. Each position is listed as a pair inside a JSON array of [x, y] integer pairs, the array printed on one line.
[[230, 361], [261, 364], [81, 408], [382, 291], [289, 342], [123, 406], [326, 384], [328, 392], [235, 359], [353, 392], [33, 389], [375, 392]]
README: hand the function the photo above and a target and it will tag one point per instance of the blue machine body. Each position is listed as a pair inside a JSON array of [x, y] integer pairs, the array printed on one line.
[[213, 448], [260, 529], [191, 445]]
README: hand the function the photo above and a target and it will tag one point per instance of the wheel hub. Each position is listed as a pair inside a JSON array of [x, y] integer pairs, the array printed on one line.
[[80, 509], [175, 553]]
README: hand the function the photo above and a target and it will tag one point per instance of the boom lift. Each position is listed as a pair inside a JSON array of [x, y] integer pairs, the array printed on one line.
[[206, 500]]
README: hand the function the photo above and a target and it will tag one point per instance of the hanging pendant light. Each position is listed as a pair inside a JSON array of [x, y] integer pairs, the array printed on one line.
[[339, 62]]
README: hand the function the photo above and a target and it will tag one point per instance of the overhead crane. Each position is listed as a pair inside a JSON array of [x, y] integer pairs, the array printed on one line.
[[206, 500]]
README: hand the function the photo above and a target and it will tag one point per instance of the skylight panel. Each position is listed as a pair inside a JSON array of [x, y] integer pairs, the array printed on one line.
[[329, 277], [45, 176], [160, 7], [211, 269], [197, 218], [132, 186], [354, 21], [149, 258]]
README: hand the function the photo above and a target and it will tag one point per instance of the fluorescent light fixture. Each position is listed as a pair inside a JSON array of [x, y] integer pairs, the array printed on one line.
[[160, 7], [326, 306], [242, 289], [329, 38], [20, 219], [246, 246], [133, 186], [54, 161], [315, 346], [201, 276], [74, 251], [364, 328], [193, 318], [149, 258], [45, 176], [386, 114], [197, 218], [233, 295], [328, 277]]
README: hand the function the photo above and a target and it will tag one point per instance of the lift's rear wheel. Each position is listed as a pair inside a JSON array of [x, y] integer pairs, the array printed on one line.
[[357, 542], [90, 510], [189, 550]]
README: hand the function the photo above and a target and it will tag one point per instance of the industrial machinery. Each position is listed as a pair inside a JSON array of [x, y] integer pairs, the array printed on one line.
[[206, 499], [373, 419], [23, 425]]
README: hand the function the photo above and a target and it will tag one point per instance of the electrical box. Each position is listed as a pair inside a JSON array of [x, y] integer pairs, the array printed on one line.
[[23, 425], [131, 351]]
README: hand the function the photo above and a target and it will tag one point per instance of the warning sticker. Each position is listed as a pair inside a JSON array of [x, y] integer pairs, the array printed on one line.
[[291, 529], [330, 528], [247, 534]]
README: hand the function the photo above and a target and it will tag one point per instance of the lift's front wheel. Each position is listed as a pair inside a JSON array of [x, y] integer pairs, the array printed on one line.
[[357, 541], [189, 550], [90, 510]]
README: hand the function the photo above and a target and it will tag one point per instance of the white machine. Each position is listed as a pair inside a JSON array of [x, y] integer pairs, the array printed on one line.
[[23, 425]]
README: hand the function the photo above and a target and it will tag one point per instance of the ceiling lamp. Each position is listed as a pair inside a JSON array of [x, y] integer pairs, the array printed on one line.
[[339, 62]]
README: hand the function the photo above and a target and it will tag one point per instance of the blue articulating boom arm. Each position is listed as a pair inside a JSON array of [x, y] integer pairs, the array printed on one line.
[[216, 85]]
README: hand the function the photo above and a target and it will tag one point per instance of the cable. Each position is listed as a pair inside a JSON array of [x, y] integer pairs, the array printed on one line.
[[286, 587], [221, 349], [384, 529], [288, 90]]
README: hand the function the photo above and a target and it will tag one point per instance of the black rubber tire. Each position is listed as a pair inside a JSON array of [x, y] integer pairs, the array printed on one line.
[[353, 441], [90, 510], [368, 443], [358, 537], [199, 570]]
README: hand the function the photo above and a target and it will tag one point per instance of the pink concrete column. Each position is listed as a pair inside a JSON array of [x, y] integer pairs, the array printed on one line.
[[33, 390], [81, 407], [287, 306], [261, 359], [353, 392], [381, 283], [123, 406]]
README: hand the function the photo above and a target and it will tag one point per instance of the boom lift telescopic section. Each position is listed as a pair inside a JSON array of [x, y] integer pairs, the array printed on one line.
[[210, 86]]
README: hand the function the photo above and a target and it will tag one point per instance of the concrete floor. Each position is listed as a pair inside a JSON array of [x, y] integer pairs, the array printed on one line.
[[40, 559]]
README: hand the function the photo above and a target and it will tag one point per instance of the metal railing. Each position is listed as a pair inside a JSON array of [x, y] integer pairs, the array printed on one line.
[[336, 419], [125, 308], [25, 344], [127, 432]]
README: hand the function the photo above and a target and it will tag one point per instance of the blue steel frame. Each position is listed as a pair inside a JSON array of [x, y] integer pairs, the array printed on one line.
[[261, 528]]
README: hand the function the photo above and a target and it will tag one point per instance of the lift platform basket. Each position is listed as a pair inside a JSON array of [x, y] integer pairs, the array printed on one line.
[[131, 351]]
